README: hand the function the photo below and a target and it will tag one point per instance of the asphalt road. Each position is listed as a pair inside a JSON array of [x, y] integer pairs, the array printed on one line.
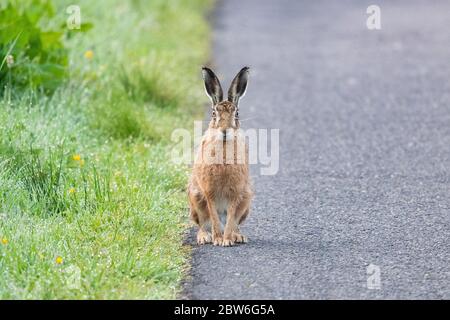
[[364, 119]]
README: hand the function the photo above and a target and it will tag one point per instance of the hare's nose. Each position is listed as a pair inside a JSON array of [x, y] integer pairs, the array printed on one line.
[[224, 133]]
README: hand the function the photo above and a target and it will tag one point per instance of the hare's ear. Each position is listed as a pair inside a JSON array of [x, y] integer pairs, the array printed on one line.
[[238, 86], [212, 86]]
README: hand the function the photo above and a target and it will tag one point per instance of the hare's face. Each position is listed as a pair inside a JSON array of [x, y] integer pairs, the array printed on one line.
[[225, 113], [224, 119]]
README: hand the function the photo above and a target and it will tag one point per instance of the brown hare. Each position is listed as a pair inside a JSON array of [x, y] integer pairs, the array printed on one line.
[[219, 188]]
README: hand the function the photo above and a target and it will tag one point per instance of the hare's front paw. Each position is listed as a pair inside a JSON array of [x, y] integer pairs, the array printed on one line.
[[239, 238], [217, 240], [203, 237], [227, 242]]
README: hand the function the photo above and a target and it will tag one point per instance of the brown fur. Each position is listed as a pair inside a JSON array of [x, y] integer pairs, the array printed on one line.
[[226, 183]]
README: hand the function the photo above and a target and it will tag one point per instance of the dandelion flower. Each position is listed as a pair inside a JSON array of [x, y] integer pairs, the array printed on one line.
[[5, 241], [59, 260], [72, 190], [89, 54], [76, 157]]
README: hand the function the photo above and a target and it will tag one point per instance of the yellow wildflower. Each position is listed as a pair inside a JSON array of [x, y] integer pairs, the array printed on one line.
[[59, 260], [5, 241], [76, 157], [89, 54], [72, 190]]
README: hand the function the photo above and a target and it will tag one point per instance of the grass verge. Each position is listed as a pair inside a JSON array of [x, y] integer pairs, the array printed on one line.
[[91, 206]]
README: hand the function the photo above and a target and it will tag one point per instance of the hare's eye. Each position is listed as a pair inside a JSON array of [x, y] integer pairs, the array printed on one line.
[[214, 114], [236, 115]]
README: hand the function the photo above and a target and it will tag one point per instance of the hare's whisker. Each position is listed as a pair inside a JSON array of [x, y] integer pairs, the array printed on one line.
[[246, 119]]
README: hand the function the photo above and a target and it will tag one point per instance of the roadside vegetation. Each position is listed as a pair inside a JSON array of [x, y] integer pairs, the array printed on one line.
[[91, 207]]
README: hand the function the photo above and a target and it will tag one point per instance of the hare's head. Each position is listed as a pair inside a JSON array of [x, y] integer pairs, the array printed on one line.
[[225, 113]]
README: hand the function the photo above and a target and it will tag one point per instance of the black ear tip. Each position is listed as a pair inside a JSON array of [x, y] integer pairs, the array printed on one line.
[[208, 71], [244, 70]]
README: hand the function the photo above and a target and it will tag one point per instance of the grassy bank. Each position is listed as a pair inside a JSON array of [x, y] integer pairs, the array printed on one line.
[[90, 204]]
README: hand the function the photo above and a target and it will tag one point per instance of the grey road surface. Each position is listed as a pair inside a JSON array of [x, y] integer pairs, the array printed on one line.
[[364, 172]]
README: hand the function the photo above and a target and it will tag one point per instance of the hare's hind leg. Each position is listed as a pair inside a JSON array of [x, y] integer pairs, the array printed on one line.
[[199, 214], [203, 236], [236, 212]]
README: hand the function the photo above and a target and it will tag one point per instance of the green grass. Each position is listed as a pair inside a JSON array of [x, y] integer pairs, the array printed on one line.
[[86, 181]]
